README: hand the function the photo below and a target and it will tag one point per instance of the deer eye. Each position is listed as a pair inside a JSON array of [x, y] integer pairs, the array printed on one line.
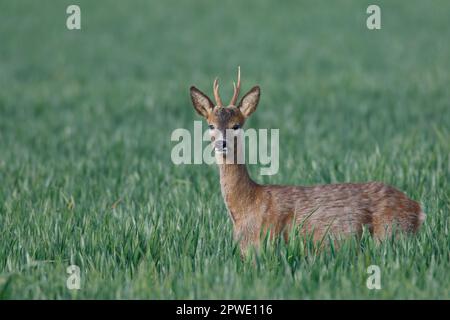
[[211, 127], [236, 127]]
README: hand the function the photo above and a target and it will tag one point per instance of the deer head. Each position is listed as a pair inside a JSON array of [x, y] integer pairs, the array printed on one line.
[[223, 120]]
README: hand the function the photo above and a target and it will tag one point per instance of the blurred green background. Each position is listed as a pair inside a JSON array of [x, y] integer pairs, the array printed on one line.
[[85, 124]]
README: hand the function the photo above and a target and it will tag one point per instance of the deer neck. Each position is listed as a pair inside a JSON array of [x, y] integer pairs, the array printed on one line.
[[238, 189]]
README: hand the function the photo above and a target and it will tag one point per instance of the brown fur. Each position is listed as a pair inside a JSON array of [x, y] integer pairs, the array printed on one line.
[[338, 209]]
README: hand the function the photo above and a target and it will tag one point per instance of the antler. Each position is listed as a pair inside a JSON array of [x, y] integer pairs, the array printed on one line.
[[216, 93], [236, 89]]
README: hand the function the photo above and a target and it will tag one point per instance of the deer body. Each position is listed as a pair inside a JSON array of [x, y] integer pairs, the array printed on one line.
[[336, 209]]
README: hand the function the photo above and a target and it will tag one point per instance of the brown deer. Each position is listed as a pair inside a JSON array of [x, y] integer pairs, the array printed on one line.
[[335, 209]]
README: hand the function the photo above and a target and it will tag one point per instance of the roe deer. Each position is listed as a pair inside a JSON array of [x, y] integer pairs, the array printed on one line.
[[338, 209]]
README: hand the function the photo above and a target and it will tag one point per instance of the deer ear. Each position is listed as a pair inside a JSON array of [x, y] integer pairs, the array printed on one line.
[[202, 104], [250, 101]]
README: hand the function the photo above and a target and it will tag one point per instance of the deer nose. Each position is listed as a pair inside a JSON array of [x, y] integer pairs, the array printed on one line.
[[221, 144]]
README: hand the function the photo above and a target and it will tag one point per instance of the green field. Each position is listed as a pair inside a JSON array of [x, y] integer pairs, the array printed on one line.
[[86, 116]]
